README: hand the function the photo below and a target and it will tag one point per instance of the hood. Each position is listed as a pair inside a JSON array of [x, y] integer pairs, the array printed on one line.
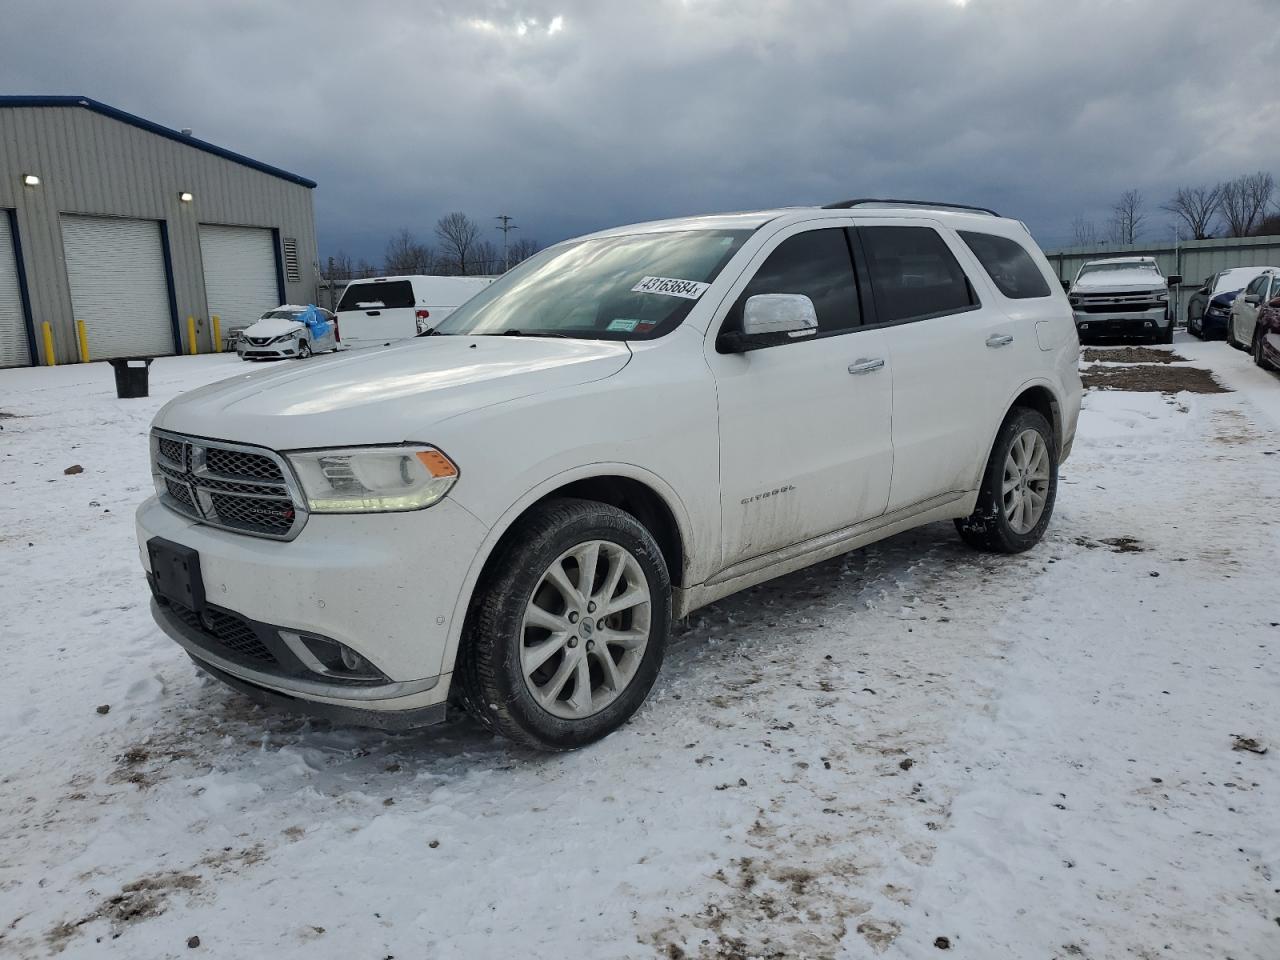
[[1224, 299], [272, 327], [1119, 281], [386, 395]]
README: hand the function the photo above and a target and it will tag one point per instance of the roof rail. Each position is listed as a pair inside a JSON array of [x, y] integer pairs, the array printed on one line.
[[846, 204]]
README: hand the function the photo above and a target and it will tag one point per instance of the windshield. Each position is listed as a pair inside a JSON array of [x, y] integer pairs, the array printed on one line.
[[614, 288], [281, 315]]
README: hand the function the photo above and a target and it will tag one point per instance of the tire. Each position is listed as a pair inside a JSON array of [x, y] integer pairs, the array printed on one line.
[[304, 350], [1258, 358], [1231, 335], [1167, 336], [1194, 328], [499, 637], [990, 526]]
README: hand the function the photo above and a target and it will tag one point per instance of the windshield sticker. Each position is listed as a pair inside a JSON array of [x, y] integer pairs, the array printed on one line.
[[626, 326], [667, 287]]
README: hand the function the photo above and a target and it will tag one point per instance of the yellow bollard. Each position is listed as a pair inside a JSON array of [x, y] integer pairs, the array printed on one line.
[[191, 336], [50, 358], [82, 339], [217, 334]]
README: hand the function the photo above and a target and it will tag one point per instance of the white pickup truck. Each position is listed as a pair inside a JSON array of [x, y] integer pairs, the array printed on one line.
[[1123, 297], [624, 428]]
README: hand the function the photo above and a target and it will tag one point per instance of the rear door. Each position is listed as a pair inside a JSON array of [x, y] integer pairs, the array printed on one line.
[[377, 311], [805, 426], [955, 355]]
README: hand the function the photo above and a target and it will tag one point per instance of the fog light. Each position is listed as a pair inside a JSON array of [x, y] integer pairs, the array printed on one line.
[[332, 659]]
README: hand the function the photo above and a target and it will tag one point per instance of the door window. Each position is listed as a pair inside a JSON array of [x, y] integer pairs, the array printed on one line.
[[1008, 264], [914, 275], [817, 264]]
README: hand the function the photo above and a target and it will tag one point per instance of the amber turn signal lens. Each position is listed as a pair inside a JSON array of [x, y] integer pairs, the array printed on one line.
[[437, 464]]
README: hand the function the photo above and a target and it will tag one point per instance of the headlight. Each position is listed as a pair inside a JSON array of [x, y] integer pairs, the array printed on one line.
[[285, 336], [373, 479], [1162, 297]]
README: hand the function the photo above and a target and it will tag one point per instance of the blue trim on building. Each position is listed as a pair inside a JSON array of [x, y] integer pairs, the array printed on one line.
[[23, 293], [157, 129], [275, 245], [173, 294]]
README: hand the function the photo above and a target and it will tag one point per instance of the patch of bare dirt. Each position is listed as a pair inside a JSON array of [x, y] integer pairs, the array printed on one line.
[[1151, 378], [139, 900], [1130, 355]]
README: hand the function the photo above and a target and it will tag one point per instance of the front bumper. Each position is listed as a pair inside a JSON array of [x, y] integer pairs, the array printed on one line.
[[1211, 325], [1122, 323], [385, 585], [276, 351]]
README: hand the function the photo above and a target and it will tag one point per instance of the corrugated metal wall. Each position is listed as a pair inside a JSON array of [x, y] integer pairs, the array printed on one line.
[[1193, 259], [93, 164]]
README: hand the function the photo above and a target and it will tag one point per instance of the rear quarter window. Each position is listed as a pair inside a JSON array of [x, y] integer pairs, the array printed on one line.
[[377, 295], [1008, 264]]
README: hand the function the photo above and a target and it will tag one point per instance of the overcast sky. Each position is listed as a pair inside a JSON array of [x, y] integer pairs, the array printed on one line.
[[572, 115]]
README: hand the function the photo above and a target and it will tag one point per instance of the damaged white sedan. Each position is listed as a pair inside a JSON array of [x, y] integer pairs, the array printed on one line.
[[289, 332]]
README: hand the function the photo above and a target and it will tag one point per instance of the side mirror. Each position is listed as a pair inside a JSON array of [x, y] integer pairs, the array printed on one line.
[[1066, 284], [1174, 280], [769, 319], [1203, 291], [1254, 298]]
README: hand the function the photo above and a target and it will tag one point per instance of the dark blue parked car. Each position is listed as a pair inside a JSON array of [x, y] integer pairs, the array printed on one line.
[[1209, 308]]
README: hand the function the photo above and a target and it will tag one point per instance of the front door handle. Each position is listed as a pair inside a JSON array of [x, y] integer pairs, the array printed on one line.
[[864, 365], [999, 340]]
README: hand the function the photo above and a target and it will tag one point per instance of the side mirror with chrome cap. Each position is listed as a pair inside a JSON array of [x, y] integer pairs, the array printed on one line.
[[769, 319]]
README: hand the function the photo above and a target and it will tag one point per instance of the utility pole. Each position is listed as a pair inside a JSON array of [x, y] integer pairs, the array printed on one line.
[[506, 227]]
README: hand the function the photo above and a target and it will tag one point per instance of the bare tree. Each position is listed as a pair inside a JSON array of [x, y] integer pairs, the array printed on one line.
[[1245, 200], [365, 269], [1084, 233], [1268, 226], [406, 255], [1127, 217], [458, 235], [485, 258], [522, 249], [1196, 208]]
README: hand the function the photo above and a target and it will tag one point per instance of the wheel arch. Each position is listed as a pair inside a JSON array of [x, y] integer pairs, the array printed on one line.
[[628, 487], [1038, 395]]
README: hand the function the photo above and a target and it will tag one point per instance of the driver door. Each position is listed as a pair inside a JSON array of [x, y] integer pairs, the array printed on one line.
[[805, 426]]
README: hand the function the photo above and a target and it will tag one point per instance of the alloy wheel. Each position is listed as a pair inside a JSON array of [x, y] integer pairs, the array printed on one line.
[[1026, 481], [585, 629]]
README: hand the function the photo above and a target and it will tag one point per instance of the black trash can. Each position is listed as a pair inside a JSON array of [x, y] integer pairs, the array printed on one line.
[[131, 376]]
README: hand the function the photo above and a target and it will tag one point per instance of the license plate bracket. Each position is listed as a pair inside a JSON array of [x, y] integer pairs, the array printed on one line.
[[175, 573]]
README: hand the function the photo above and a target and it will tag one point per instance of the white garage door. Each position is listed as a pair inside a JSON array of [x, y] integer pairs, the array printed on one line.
[[118, 288], [14, 351], [239, 273]]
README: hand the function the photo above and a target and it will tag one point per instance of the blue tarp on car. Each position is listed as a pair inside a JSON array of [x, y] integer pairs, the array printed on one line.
[[314, 320]]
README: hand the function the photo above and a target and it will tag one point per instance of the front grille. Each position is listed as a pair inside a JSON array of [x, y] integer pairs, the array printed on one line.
[[237, 463], [1118, 307], [227, 630], [227, 485], [259, 341]]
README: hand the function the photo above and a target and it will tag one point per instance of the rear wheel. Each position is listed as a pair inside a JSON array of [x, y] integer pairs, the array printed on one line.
[[567, 631], [1019, 487], [1258, 357]]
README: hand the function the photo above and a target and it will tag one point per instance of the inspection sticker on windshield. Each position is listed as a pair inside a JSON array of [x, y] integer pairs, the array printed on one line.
[[689, 289]]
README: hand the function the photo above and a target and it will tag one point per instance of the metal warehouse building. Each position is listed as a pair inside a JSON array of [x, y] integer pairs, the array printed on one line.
[[127, 238]]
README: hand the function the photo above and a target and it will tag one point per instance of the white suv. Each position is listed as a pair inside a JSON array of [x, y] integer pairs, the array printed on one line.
[[622, 429]]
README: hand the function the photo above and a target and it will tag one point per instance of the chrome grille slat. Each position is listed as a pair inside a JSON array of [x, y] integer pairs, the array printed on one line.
[[227, 485]]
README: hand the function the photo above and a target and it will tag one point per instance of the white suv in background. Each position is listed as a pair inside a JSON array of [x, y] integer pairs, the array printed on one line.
[[624, 428], [381, 310]]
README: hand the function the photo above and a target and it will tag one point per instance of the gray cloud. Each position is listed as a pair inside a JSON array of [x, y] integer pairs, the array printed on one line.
[[576, 114]]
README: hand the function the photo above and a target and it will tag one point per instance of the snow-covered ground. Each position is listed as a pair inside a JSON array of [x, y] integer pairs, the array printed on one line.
[[1030, 756]]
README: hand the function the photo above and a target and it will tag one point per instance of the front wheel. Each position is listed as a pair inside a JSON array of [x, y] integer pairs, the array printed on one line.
[[1258, 357], [304, 350], [1018, 489], [567, 628], [1166, 336], [1231, 335]]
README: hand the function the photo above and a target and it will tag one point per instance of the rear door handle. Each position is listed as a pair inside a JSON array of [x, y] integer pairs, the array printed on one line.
[[999, 340], [864, 365]]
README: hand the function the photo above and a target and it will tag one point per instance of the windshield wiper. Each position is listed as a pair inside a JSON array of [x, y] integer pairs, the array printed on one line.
[[431, 332], [535, 333]]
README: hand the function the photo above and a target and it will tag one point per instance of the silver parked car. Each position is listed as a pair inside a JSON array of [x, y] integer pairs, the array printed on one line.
[[289, 332]]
